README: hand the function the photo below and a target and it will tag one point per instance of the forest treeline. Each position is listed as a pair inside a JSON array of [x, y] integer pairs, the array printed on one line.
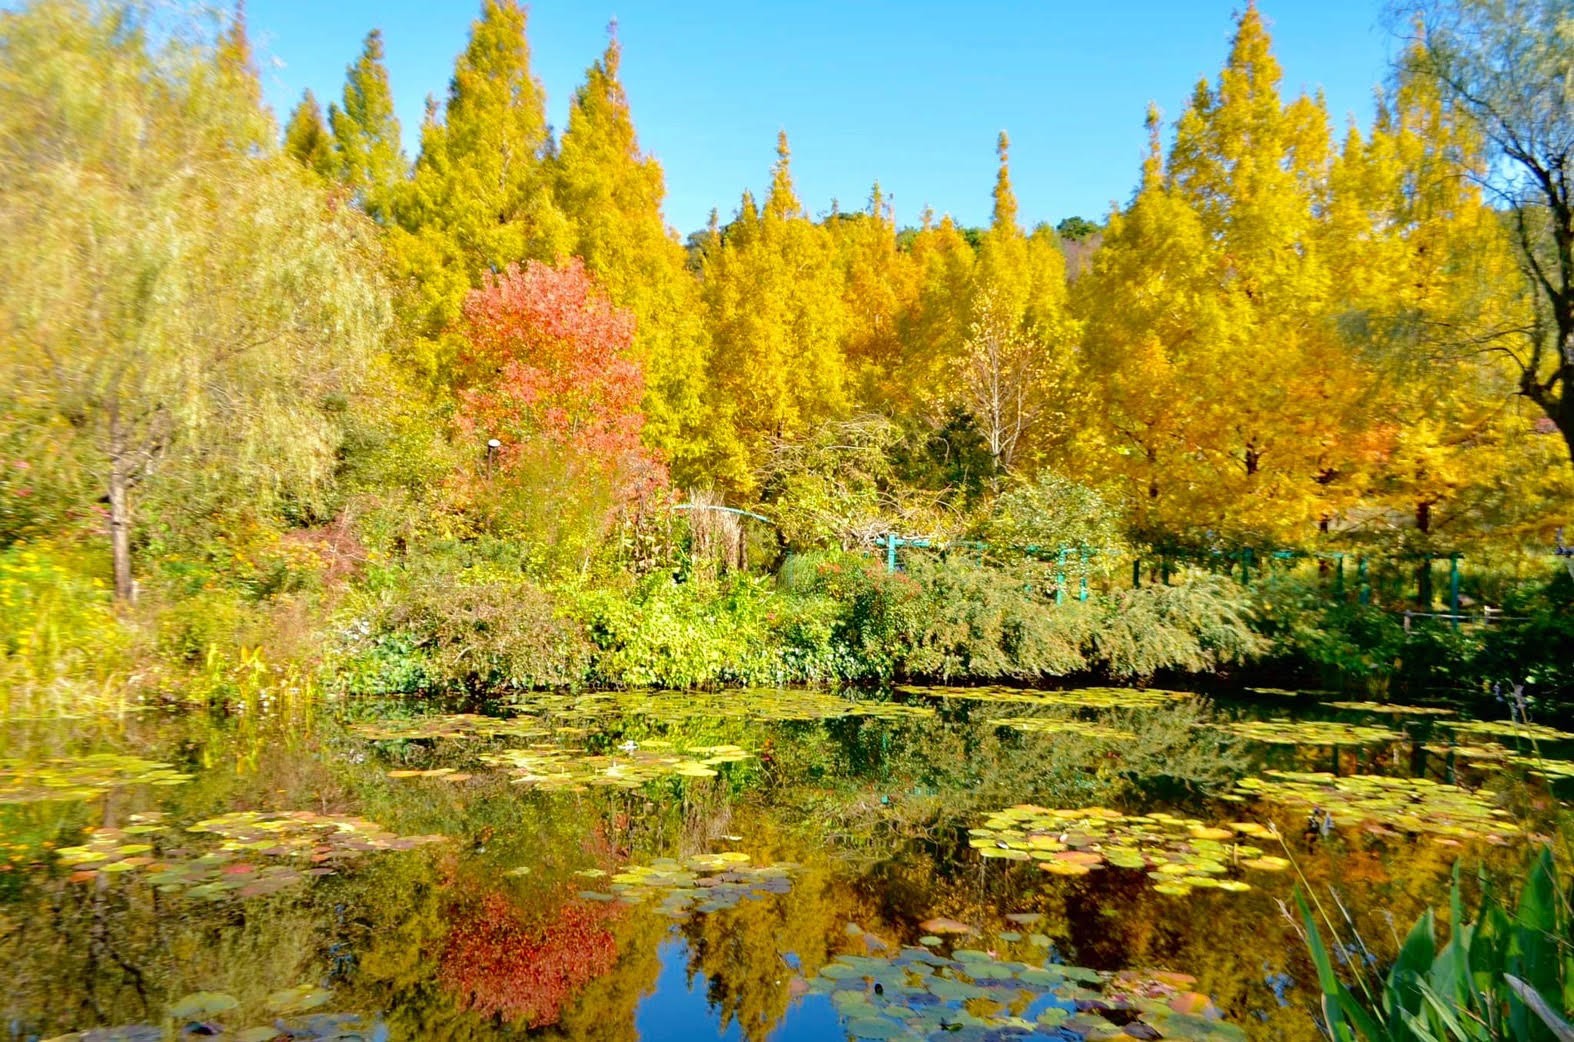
[[1289, 328], [247, 351]]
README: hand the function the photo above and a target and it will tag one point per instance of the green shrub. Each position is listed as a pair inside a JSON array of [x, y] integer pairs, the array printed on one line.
[[877, 614], [1369, 646], [477, 633], [984, 623], [1194, 624], [61, 644]]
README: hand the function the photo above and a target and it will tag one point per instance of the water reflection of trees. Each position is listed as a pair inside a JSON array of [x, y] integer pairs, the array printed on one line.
[[446, 945]]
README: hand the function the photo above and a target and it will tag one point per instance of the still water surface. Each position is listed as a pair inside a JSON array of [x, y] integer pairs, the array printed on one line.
[[744, 865]]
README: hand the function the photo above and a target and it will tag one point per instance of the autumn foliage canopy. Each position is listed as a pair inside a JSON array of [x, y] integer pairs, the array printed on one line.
[[550, 368]]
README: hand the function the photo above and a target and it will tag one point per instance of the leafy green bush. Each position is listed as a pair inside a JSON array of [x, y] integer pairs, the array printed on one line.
[[1368, 646], [877, 614], [60, 641], [1195, 624], [476, 633], [1535, 646], [984, 623], [1051, 512]]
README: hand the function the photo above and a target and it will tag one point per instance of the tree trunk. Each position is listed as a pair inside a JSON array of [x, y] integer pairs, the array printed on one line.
[[120, 517]]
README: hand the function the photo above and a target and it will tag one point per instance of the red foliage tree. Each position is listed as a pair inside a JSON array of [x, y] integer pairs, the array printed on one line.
[[498, 964], [549, 366]]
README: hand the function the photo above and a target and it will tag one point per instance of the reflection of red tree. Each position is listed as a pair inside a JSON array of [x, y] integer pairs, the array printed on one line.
[[499, 964]]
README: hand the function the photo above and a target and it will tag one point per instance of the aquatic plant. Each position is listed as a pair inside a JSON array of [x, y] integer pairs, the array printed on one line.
[[1391, 709], [292, 846], [296, 1013], [551, 768], [80, 778], [451, 726], [1511, 729], [1417, 806], [1075, 698], [1055, 725], [1178, 854], [1310, 732], [700, 883], [919, 994], [1506, 975]]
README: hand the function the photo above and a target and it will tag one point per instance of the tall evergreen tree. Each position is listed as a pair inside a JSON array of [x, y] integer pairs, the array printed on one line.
[[366, 133], [482, 175], [307, 140], [612, 194]]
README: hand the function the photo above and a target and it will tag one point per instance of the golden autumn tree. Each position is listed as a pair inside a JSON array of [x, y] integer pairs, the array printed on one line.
[[774, 304], [1151, 321], [1014, 371], [1236, 374], [1420, 260], [936, 324], [880, 286], [1280, 391], [612, 193], [480, 197]]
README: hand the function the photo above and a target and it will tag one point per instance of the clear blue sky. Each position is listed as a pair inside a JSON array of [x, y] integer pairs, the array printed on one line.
[[912, 93]]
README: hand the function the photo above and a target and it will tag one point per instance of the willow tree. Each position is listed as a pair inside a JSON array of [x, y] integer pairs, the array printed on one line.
[[1505, 64], [182, 313]]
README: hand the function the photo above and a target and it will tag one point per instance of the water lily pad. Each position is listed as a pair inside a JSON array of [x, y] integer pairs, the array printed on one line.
[[202, 1004]]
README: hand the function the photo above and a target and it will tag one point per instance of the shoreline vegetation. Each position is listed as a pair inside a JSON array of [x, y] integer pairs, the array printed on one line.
[[284, 408]]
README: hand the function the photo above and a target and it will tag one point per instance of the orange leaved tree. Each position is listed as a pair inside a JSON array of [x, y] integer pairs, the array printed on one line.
[[551, 378]]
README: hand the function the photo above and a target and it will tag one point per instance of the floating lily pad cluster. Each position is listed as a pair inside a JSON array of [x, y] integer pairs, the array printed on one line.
[[543, 715], [1547, 770], [919, 994], [1053, 726], [1511, 729], [293, 1011], [766, 705], [552, 768], [259, 853], [1079, 698], [81, 777], [700, 884], [1179, 854], [1417, 806], [1310, 732], [1481, 751], [1390, 709], [302, 833], [453, 725]]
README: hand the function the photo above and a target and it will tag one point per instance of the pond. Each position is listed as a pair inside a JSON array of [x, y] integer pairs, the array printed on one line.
[[926, 863]]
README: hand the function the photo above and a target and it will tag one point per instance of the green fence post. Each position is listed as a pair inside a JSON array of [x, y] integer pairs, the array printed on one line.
[[1060, 576], [1453, 588], [1339, 575], [890, 551], [1082, 592]]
